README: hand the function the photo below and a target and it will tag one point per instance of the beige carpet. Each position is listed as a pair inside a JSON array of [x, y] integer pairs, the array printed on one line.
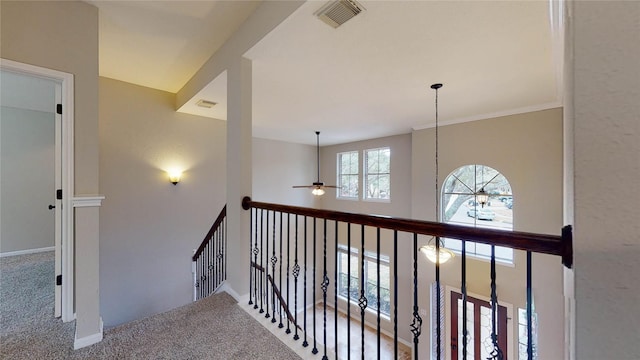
[[211, 328]]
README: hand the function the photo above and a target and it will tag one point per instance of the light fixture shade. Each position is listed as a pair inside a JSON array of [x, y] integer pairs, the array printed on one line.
[[482, 197], [174, 176], [430, 252], [317, 191]]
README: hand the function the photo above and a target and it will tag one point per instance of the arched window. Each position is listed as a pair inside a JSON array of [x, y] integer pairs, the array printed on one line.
[[460, 206]]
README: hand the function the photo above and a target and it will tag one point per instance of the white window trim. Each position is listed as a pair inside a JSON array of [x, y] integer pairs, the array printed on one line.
[[339, 175], [365, 174]]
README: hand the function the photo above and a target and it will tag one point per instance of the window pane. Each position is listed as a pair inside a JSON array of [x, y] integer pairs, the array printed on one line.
[[348, 174], [378, 177], [459, 205]]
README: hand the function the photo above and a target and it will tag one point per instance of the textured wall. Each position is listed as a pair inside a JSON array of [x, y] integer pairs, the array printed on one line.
[[606, 71]]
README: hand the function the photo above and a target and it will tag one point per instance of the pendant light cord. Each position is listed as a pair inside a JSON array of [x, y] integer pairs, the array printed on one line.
[[318, 154], [436, 87]]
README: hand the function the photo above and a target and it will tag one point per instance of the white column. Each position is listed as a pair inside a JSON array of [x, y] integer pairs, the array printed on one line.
[[239, 184]]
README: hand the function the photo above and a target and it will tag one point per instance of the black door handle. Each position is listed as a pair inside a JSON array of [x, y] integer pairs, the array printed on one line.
[[51, 207]]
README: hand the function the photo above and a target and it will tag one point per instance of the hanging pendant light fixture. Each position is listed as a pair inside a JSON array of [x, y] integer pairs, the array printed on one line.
[[317, 186], [435, 250], [482, 197]]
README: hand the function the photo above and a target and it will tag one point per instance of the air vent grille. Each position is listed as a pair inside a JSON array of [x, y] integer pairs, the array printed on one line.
[[206, 103], [338, 12]]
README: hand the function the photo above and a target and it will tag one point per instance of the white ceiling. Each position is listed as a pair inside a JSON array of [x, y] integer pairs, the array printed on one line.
[[368, 78]]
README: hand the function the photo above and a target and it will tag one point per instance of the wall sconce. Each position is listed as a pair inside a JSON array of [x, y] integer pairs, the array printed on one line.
[[174, 176]]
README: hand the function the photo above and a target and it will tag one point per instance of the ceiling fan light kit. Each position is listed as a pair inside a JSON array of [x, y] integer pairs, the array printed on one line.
[[317, 186]]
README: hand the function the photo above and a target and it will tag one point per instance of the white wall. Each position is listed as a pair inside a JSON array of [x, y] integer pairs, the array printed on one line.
[[606, 99], [27, 178], [148, 226]]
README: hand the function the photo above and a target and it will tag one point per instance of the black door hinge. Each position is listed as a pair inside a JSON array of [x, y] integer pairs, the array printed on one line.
[[59, 194], [59, 280], [59, 109]]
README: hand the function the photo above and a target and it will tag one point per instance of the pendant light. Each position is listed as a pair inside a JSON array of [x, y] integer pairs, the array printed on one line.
[[317, 187], [435, 250]]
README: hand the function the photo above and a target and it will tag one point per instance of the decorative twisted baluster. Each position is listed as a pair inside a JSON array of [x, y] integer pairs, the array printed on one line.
[[274, 261], [296, 272], [315, 347], [496, 353], [324, 286], [362, 302], [416, 324]]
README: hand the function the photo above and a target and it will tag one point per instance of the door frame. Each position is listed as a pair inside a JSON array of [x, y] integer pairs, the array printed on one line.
[[511, 339], [67, 145]]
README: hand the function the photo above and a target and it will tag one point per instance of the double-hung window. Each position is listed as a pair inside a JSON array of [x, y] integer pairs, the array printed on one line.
[[348, 175], [377, 177], [349, 280]]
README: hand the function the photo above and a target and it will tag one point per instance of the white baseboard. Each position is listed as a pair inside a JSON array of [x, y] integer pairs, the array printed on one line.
[[229, 290], [88, 340], [28, 251]]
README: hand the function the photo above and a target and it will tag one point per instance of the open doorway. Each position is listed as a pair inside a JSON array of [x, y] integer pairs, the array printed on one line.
[[37, 172]]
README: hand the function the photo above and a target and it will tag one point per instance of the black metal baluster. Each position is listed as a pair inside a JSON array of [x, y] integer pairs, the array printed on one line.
[[363, 299], [335, 285], [348, 290], [266, 268], [416, 324], [438, 303], [496, 353], [274, 261], [378, 279], [529, 307], [261, 256], [465, 331], [296, 272], [313, 301], [256, 250], [325, 285], [305, 343], [281, 325], [288, 331], [251, 268], [395, 294]]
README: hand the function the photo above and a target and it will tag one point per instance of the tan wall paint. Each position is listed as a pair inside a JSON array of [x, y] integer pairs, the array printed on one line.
[[66, 39], [527, 149], [150, 227], [606, 94]]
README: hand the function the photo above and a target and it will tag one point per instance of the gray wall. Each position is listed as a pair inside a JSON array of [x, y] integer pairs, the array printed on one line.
[[27, 179], [149, 227], [606, 100], [66, 39]]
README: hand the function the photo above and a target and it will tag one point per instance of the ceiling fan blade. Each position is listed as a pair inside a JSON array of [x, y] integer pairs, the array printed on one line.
[[331, 186], [303, 186]]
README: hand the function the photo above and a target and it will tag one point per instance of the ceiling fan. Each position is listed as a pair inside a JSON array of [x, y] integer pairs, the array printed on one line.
[[318, 186]]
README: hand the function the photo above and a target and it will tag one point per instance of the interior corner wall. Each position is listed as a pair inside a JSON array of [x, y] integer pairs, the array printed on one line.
[[277, 166], [527, 149], [606, 93], [63, 35], [149, 227]]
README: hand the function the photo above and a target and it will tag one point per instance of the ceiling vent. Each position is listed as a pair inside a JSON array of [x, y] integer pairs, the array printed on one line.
[[339, 12], [206, 103]]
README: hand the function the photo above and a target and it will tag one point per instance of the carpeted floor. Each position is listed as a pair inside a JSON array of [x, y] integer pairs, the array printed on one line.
[[212, 328]]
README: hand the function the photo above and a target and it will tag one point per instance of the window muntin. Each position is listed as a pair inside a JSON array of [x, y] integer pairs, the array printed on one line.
[[377, 177], [460, 206], [371, 278], [348, 175]]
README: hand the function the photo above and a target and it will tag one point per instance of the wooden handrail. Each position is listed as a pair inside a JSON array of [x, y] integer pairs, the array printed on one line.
[[277, 292], [214, 227], [539, 243]]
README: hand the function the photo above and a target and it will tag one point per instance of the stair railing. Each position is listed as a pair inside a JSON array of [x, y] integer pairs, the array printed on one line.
[[209, 266], [285, 243]]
